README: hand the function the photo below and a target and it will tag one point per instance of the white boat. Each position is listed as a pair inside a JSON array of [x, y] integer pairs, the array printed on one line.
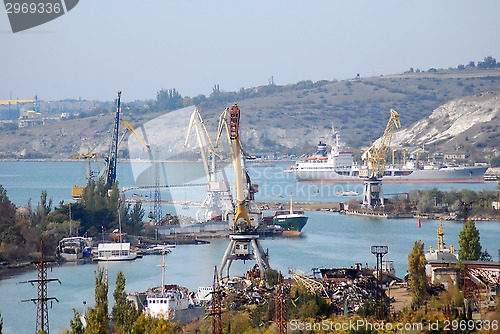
[[339, 166], [167, 301], [73, 248], [115, 251], [157, 249], [347, 193]]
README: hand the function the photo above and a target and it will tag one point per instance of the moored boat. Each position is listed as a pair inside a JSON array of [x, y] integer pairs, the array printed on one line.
[[115, 251], [74, 248]]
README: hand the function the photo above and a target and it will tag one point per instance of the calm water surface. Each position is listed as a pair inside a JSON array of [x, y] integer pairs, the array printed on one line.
[[330, 239]]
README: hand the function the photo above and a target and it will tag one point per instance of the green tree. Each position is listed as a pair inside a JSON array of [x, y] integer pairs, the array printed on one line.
[[135, 216], [469, 242], [305, 304], [13, 245], [76, 324], [168, 99], [7, 212], [124, 313], [418, 279], [153, 325], [489, 62], [97, 317], [98, 206]]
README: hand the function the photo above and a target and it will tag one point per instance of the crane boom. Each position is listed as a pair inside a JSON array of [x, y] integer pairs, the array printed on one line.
[[216, 204], [203, 139], [375, 155], [131, 129], [229, 120]]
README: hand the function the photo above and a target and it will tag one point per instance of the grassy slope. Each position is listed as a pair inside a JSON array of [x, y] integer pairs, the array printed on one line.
[[287, 121]]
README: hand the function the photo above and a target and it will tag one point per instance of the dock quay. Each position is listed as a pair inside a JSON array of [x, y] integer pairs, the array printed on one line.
[[305, 206], [378, 214]]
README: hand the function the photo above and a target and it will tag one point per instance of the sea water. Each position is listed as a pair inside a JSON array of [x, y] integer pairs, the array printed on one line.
[[329, 239]]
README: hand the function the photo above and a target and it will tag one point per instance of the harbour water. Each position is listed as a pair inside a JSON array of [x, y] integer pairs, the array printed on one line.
[[329, 239]]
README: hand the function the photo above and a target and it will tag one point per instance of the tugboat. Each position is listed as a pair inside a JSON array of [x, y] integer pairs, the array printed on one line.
[[292, 221]]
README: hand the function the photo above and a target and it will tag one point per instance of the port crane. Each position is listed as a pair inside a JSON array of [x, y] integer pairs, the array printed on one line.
[[244, 240], [374, 158], [217, 203]]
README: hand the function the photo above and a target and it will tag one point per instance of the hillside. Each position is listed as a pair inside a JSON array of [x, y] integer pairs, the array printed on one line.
[[470, 123], [292, 119]]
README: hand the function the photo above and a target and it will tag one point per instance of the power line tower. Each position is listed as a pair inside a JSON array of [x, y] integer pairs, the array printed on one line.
[[280, 299], [215, 310], [42, 311]]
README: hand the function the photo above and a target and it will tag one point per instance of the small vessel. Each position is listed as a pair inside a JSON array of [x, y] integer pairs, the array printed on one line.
[[157, 249], [347, 193], [292, 221], [167, 301], [115, 251], [74, 248]]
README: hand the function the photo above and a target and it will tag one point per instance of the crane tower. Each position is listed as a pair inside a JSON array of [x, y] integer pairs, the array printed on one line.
[[244, 240]]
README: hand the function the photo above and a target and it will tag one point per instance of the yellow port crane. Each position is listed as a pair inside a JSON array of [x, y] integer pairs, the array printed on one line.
[[374, 158], [376, 155], [243, 222]]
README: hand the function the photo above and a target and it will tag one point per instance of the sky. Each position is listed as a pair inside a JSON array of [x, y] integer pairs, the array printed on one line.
[[140, 47]]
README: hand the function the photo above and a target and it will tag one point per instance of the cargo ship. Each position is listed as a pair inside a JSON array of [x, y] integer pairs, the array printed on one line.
[[339, 166], [291, 221]]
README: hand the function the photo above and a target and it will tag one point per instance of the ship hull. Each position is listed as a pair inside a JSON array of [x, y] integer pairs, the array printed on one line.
[[448, 174], [292, 226]]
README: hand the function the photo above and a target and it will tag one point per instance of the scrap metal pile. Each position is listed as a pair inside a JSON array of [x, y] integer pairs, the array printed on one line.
[[349, 288], [346, 289], [348, 296]]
